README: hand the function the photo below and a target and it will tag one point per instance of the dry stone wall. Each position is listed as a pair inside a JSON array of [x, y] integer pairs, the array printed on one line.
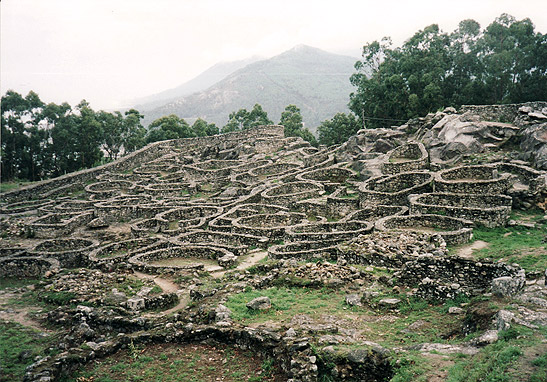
[[203, 206]]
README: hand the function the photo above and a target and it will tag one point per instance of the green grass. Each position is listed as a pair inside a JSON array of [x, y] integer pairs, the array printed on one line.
[[19, 345], [494, 362], [179, 363], [411, 366], [15, 283], [286, 302], [515, 244], [14, 185], [540, 375]]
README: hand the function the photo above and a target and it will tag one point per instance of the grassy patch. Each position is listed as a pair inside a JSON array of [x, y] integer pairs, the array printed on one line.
[[411, 366], [494, 362], [19, 345], [415, 322], [10, 186], [286, 302], [540, 374], [515, 244], [181, 363], [15, 283]]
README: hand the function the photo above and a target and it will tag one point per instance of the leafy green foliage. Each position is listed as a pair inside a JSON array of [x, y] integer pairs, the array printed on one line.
[[243, 119], [504, 63], [40, 141], [338, 129], [168, 127], [291, 119], [201, 128]]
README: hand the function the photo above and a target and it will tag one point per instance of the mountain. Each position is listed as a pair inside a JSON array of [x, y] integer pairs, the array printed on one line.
[[312, 79], [203, 81]]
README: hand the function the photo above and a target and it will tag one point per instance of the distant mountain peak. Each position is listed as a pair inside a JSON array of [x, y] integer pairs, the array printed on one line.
[[314, 80]]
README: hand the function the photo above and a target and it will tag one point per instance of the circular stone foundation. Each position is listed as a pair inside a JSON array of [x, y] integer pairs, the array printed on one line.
[[488, 210], [453, 230], [480, 179], [395, 189], [71, 253], [180, 259], [27, 267]]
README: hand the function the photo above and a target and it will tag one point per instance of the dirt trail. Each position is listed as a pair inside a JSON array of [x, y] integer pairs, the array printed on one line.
[[245, 262], [17, 313], [468, 249], [168, 286]]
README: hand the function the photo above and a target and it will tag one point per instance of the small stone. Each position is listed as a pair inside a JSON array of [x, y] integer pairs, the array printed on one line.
[[92, 345], [291, 333], [455, 310], [389, 302], [537, 115], [353, 300], [136, 303], [503, 319], [222, 313], [259, 303], [487, 338], [227, 260]]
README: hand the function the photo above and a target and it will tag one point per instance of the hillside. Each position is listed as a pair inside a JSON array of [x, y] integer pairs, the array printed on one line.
[[314, 80], [203, 81]]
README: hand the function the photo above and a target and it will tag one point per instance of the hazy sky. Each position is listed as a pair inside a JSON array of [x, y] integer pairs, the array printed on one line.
[[112, 51]]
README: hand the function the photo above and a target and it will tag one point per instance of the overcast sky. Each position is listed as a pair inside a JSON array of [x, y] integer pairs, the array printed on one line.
[[112, 51]]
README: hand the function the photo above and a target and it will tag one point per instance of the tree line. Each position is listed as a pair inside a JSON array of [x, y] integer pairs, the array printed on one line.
[[40, 141], [504, 63]]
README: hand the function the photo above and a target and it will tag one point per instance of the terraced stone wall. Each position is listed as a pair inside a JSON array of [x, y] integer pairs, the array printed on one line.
[[499, 113]]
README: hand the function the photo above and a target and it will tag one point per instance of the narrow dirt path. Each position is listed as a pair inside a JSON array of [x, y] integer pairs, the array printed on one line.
[[245, 262], [468, 249], [18, 313], [168, 286]]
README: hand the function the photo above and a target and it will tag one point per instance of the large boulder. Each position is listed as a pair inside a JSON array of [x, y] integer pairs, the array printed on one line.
[[507, 286], [457, 134], [534, 145], [259, 303]]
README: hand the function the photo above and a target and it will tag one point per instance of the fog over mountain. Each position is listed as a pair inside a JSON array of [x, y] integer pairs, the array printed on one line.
[[203, 81], [314, 80]]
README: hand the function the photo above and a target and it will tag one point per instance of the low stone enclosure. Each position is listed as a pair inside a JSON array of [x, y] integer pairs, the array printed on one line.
[[212, 207]]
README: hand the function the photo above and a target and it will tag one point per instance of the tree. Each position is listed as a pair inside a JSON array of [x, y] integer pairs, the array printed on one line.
[[168, 127], [23, 140], [291, 119], [39, 140], [134, 133], [338, 129], [243, 119], [201, 128], [112, 126], [121, 134], [507, 62]]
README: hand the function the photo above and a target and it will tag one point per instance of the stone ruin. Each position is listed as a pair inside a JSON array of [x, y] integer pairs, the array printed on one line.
[[391, 198]]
